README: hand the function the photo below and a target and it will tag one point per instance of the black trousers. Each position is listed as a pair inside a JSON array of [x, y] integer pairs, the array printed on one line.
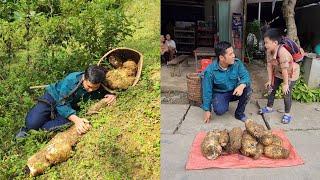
[[286, 97], [165, 57]]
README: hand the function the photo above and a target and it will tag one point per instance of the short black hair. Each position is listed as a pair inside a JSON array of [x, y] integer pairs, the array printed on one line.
[[273, 34], [221, 47], [95, 74]]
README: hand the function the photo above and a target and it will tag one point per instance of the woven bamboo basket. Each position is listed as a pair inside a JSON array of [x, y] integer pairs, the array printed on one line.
[[194, 89], [124, 53]]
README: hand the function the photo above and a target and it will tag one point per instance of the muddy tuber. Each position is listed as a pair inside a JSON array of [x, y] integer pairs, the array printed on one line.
[[57, 150], [210, 147], [234, 144], [276, 152], [122, 76]]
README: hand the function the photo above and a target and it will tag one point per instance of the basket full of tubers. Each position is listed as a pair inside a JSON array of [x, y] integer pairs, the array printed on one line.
[[124, 68]]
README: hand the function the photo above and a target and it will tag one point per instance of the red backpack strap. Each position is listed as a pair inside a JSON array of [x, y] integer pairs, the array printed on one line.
[[278, 59]]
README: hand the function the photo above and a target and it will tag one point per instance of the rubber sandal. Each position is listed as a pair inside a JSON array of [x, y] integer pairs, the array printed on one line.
[[286, 119], [242, 118], [265, 110]]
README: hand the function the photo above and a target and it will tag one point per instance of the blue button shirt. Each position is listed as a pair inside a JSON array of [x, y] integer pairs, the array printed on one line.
[[66, 106], [216, 80]]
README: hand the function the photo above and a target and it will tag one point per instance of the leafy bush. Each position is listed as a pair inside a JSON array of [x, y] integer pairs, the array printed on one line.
[[301, 92]]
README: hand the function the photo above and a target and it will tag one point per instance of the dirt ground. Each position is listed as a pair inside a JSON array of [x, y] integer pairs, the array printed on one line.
[[174, 89], [259, 76]]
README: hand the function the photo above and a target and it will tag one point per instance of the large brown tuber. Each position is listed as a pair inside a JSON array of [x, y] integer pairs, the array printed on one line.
[[119, 79], [276, 152], [115, 61], [255, 129], [224, 138], [131, 66], [210, 146], [259, 151], [57, 150], [38, 163], [248, 145], [271, 139], [122, 76], [234, 144], [95, 108]]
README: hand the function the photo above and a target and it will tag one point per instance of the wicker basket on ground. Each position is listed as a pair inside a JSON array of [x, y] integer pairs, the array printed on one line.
[[194, 89], [124, 54]]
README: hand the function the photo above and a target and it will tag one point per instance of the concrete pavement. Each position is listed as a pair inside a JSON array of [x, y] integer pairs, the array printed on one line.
[[181, 123]]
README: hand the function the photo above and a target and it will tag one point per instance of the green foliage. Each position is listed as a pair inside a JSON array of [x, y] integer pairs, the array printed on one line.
[[301, 92], [254, 27], [52, 31], [40, 43]]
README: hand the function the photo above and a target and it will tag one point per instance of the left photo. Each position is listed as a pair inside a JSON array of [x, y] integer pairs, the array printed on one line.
[[80, 89]]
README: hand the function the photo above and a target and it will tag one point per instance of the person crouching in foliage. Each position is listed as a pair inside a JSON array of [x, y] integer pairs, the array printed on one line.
[[59, 103]]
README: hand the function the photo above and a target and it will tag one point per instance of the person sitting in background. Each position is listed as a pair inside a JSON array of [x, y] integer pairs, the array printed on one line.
[[164, 50], [59, 103], [172, 47]]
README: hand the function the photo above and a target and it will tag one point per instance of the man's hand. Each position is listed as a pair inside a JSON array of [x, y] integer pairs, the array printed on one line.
[[239, 90], [110, 99], [82, 125], [207, 116]]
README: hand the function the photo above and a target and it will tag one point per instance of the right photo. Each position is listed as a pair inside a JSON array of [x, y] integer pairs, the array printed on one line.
[[240, 89]]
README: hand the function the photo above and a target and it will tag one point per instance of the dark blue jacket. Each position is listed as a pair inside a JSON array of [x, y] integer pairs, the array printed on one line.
[[217, 80], [67, 106]]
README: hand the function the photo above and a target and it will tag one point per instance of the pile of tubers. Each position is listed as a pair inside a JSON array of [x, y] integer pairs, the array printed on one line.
[[123, 74], [252, 142]]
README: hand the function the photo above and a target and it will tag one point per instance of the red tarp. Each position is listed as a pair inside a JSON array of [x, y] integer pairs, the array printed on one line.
[[197, 161]]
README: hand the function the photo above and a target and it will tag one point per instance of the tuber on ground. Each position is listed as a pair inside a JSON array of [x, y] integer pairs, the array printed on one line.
[[210, 147], [255, 129], [276, 152], [234, 144], [57, 150]]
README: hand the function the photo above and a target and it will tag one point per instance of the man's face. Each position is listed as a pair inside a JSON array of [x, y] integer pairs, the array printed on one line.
[[228, 57], [89, 87], [270, 44], [168, 37]]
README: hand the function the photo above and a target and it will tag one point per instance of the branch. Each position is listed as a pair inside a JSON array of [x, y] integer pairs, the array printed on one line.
[[38, 87]]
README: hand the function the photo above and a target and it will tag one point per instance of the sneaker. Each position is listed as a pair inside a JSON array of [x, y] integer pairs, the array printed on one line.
[[22, 133], [242, 117]]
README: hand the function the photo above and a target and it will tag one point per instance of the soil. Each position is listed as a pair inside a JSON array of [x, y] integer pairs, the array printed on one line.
[[258, 73]]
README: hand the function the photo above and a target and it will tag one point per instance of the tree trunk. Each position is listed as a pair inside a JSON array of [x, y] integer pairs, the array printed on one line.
[[288, 14]]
